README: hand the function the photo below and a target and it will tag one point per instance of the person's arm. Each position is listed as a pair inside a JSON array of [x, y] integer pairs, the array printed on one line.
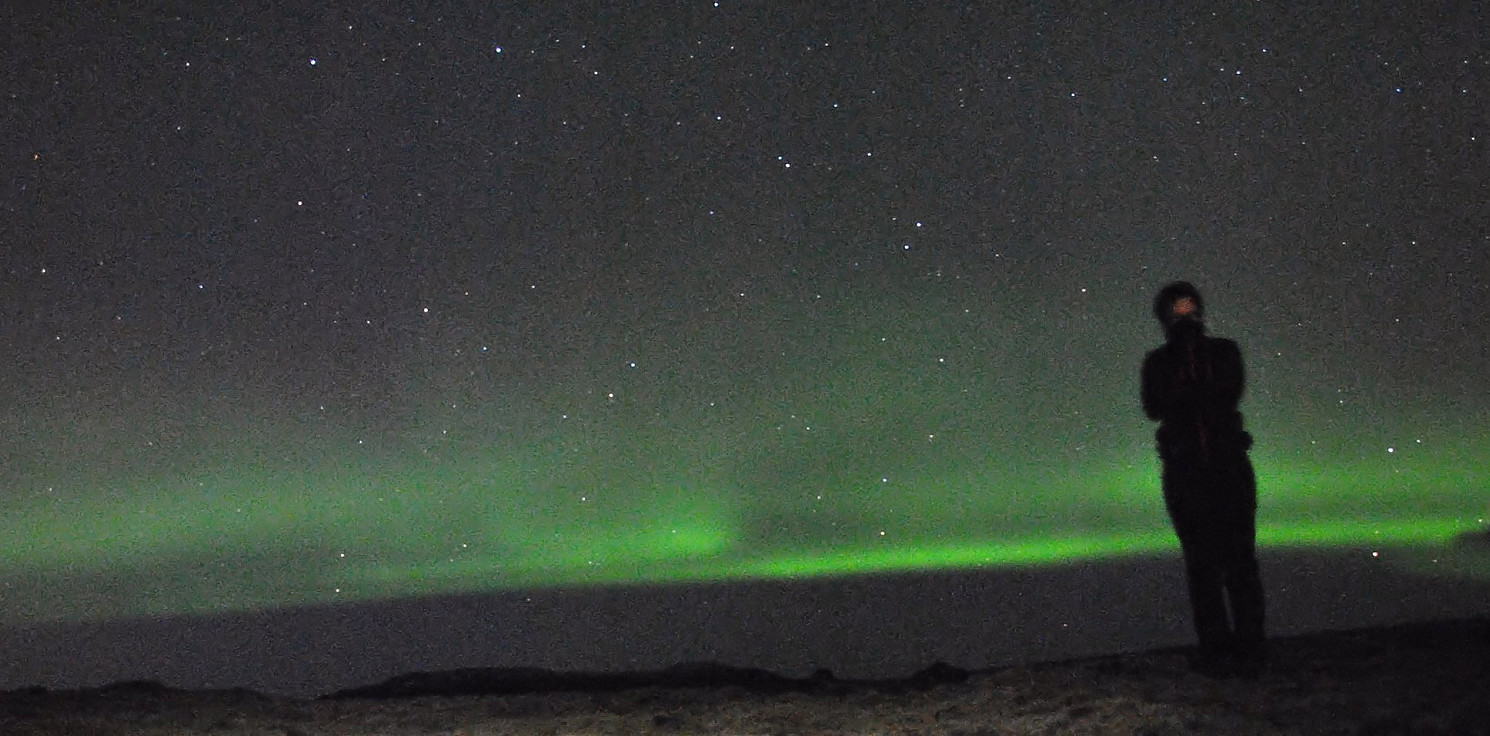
[[1229, 377]]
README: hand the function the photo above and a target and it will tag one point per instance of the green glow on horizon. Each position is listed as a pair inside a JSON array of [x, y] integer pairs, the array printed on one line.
[[880, 469], [294, 535]]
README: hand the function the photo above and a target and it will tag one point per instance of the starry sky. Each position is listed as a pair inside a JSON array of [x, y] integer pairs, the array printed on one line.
[[303, 306]]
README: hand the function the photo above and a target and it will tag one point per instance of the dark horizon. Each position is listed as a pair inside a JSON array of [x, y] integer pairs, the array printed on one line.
[[858, 627]]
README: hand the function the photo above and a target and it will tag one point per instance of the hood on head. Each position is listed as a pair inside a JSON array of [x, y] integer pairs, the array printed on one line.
[[1173, 292], [1179, 327]]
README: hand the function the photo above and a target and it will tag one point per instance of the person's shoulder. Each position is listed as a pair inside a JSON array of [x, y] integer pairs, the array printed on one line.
[[1223, 344], [1157, 353]]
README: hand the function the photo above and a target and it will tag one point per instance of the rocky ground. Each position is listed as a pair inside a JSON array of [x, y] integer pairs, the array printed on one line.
[[1431, 678]]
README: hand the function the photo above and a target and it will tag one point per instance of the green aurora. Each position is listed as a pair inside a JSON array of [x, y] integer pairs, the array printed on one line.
[[265, 529], [839, 444]]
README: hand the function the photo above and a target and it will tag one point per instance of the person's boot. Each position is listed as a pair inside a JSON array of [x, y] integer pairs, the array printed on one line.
[[1213, 658]]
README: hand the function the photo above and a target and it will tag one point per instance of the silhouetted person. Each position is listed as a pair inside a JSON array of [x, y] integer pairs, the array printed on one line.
[[1192, 385]]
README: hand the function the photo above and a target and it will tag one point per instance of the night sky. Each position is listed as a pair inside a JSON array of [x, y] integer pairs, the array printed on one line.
[[320, 307]]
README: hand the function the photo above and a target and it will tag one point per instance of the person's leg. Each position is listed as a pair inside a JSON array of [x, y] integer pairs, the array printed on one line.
[[1187, 500], [1243, 580], [1208, 606]]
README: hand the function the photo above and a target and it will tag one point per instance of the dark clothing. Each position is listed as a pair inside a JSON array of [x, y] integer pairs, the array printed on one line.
[[1192, 386]]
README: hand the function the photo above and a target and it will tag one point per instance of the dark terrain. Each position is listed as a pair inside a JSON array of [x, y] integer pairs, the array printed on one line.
[[1420, 678]]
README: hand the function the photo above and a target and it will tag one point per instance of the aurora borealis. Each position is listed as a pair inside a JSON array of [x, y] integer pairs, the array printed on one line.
[[304, 308], [870, 465]]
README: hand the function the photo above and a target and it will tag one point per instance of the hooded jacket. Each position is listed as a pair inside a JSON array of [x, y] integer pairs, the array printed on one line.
[[1192, 386]]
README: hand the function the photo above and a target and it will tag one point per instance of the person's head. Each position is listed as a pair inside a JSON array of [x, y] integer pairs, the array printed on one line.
[[1179, 303]]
